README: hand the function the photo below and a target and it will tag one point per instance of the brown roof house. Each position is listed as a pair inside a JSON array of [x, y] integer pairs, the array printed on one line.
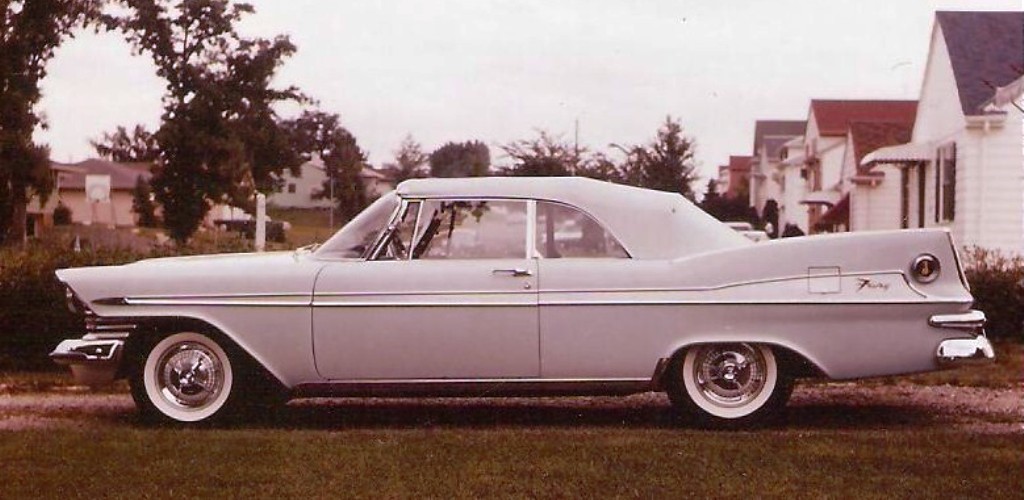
[[963, 166], [96, 191], [825, 141]]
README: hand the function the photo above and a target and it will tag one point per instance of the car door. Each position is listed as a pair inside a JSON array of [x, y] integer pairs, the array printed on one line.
[[449, 294]]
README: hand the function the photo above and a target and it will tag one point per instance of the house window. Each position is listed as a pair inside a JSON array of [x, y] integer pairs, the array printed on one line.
[[945, 183], [291, 187]]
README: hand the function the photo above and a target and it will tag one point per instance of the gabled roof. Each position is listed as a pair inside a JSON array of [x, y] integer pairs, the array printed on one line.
[[870, 136], [986, 50], [764, 129], [834, 116], [122, 175]]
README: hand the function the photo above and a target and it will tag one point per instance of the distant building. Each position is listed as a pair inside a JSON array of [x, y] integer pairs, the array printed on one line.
[[297, 191], [739, 177], [109, 204], [770, 138], [963, 167], [825, 140]]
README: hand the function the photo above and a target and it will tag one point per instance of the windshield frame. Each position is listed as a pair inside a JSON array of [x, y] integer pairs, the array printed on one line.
[[327, 250]]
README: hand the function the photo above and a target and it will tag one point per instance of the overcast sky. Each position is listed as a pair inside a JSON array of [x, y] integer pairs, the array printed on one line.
[[497, 71]]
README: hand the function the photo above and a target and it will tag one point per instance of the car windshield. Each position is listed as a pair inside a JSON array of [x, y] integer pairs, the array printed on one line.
[[356, 237]]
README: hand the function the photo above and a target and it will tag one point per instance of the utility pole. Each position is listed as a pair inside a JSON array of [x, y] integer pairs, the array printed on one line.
[[575, 148]]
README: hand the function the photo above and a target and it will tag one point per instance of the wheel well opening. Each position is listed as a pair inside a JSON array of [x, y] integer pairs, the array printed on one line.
[[790, 362]]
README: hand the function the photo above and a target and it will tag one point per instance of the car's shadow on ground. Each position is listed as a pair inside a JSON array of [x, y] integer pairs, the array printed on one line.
[[381, 414]]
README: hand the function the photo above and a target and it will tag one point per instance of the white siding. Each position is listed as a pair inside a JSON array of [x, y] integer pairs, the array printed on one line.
[[939, 114], [311, 178], [877, 208]]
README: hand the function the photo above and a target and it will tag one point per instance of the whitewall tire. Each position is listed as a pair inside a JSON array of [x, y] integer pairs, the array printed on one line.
[[729, 384], [186, 377]]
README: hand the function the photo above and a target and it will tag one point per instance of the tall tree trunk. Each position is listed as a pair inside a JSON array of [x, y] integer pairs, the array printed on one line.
[[16, 232]]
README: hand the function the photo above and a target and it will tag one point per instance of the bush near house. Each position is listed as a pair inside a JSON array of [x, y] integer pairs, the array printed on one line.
[[997, 283]]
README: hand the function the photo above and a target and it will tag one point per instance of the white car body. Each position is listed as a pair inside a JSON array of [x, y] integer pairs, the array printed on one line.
[[840, 306]]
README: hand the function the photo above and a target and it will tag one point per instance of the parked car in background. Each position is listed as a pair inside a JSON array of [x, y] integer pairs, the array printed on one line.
[[526, 286]]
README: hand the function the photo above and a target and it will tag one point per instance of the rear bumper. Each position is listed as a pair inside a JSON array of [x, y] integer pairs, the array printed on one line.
[[960, 351], [93, 359]]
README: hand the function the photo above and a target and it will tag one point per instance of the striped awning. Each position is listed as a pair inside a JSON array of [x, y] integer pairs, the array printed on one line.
[[911, 152]]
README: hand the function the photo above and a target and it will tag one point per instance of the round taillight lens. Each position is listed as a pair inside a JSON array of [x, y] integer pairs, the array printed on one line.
[[925, 268]]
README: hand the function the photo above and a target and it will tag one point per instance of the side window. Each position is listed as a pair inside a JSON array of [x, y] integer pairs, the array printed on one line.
[[563, 231], [471, 229], [399, 241]]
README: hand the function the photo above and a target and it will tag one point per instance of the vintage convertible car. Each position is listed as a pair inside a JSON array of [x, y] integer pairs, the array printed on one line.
[[526, 286]]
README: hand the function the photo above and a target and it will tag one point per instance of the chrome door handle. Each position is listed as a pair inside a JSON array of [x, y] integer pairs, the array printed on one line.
[[517, 272]]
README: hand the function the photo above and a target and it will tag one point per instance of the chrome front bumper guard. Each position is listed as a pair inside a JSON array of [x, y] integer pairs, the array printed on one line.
[[956, 352], [94, 358]]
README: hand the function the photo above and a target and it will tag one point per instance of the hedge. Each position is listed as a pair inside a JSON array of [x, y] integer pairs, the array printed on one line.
[[34, 317]]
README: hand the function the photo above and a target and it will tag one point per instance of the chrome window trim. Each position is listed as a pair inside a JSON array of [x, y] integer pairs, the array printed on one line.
[[416, 234], [599, 222]]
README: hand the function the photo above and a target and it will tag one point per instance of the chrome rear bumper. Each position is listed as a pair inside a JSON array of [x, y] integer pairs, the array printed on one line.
[[94, 358], [959, 351], [955, 352]]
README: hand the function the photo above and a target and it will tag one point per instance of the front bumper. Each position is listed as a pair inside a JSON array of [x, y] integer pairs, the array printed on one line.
[[94, 359], [961, 351]]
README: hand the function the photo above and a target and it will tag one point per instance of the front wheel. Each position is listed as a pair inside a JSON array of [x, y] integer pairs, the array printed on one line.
[[185, 377], [728, 385]]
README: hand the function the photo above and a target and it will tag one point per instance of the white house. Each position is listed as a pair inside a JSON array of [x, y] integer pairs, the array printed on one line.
[[789, 175], [871, 201], [770, 137], [825, 142], [297, 191], [964, 165]]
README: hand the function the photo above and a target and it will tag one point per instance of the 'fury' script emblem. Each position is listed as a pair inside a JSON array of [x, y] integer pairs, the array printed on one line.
[[863, 283]]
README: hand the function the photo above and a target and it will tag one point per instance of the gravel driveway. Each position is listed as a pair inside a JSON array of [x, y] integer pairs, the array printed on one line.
[[815, 406]]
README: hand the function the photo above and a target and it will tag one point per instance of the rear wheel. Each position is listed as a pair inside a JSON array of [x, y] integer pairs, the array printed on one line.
[[185, 377], [728, 385]]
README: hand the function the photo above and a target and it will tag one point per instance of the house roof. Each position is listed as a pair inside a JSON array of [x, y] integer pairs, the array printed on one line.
[[834, 116], [986, 50], [870, 136], [122, 175], [739, 163], [672, 225], [777, 129]]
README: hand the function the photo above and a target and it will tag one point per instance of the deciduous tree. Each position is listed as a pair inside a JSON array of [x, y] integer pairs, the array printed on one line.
[[461, 159], [320, 133], [410, 161], [30, 31], [139, 145], [220, 139]]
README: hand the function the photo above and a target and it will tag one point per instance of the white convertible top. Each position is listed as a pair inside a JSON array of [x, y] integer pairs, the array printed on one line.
[[650, 224]]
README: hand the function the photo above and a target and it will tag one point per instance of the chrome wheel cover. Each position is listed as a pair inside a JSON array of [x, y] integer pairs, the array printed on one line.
[[729, 375], [189, 375]]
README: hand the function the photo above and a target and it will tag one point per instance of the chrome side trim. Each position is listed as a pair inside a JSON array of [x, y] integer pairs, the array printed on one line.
[[215, 302], [970, 320], [397, 303], [956, 352]]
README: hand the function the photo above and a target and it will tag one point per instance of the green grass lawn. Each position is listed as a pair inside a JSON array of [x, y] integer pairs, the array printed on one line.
[[308, 225], [550, 462]]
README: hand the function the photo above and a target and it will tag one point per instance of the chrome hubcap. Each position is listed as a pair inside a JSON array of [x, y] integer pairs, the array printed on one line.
[[730, 375], [190, 375]]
